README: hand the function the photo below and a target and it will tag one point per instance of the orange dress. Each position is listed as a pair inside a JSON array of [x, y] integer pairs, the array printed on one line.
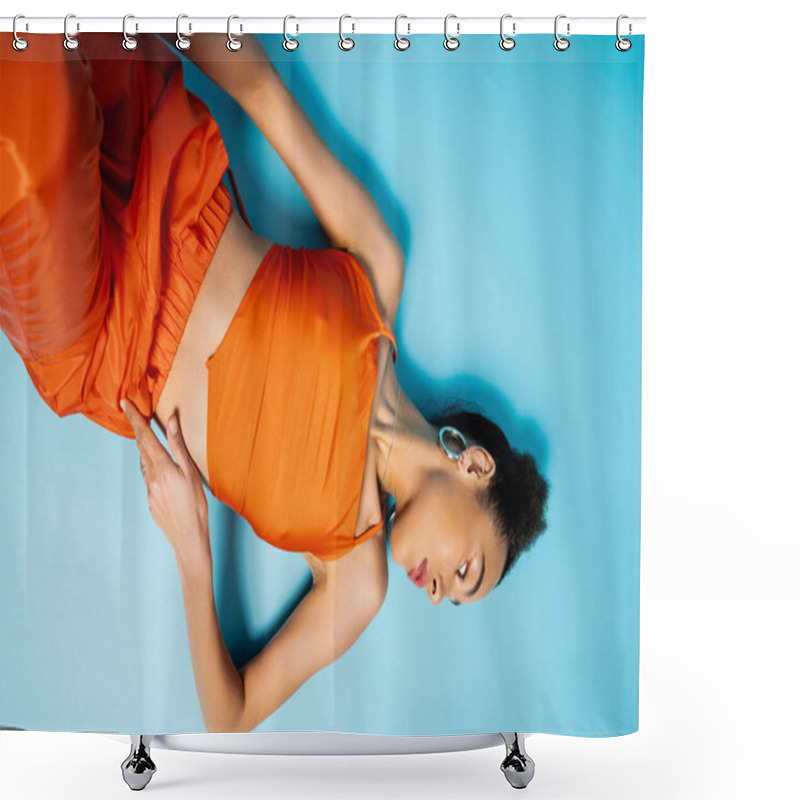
[[290, 392], [111, 207]]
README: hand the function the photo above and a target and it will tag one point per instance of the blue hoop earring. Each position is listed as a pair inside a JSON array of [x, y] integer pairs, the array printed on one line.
[[447, 451]]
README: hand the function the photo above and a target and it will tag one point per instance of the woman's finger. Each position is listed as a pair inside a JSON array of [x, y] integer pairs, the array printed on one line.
[[149, 446], [145, 462], [177, 444]]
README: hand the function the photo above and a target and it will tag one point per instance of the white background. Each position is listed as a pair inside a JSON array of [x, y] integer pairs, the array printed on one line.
[[720, 449]]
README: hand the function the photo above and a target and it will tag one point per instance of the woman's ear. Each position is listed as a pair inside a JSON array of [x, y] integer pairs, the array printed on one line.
[[478, 459]]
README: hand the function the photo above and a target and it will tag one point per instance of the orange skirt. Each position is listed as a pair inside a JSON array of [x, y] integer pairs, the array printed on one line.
[[111, 207]]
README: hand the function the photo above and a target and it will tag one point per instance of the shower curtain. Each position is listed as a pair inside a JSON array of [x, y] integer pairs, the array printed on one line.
[[511, 182]]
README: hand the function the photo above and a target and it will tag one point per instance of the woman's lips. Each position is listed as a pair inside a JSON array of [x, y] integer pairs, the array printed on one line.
[[419, 576]]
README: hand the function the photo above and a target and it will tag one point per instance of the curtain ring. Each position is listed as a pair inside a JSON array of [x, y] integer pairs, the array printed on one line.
[[19, 43], [561, 43], [70, 42], [623, 44], [233, 44], [182, 43], [400, 42], [129, 42], [289, 42], [506, 42], [451, 42], [345, 42]]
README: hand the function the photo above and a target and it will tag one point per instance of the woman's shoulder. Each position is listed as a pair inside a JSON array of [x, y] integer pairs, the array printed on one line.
[[386, 276], [365, 569]]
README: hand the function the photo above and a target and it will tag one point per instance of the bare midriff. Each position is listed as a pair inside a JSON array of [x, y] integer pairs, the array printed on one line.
[[235, 261]]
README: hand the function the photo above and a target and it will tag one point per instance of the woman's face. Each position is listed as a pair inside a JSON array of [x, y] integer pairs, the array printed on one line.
[[444, 530]]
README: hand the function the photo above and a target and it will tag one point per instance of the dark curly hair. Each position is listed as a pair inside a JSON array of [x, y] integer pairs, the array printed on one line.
[[517, 493]]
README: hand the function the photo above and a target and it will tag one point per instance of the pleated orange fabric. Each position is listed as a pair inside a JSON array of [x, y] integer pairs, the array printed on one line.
[[111, 208], [290, 391]]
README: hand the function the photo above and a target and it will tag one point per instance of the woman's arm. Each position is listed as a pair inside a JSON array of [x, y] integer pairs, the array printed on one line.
[[325, 624], [220, 688], [345, 209], [178, 504], [235, 73], [345, 596]]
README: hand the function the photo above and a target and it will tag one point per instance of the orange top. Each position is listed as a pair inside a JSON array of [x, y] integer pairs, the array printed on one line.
[[290, 391]]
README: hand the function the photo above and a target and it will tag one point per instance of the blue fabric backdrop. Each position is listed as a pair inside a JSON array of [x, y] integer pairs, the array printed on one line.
[[513, 181]]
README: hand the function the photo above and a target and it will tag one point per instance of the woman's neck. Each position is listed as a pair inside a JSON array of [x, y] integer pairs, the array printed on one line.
[[407, 447]]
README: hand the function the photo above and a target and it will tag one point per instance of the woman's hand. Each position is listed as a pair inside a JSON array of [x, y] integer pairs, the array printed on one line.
[[175, 491]]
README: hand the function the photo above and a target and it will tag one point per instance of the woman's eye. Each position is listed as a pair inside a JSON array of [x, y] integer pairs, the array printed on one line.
[[465, 567]]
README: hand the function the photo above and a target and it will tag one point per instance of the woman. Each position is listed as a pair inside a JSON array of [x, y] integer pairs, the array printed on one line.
[[167, 304]]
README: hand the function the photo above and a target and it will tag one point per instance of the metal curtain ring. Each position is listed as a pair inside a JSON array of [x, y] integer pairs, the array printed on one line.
[[129, 42], [506, 42], [400, 42], [623, 45], [19, 43], [345, 42], [182, 43], [289, 42], [561, 43], [70, 42], [451, 42], [233, 44]]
